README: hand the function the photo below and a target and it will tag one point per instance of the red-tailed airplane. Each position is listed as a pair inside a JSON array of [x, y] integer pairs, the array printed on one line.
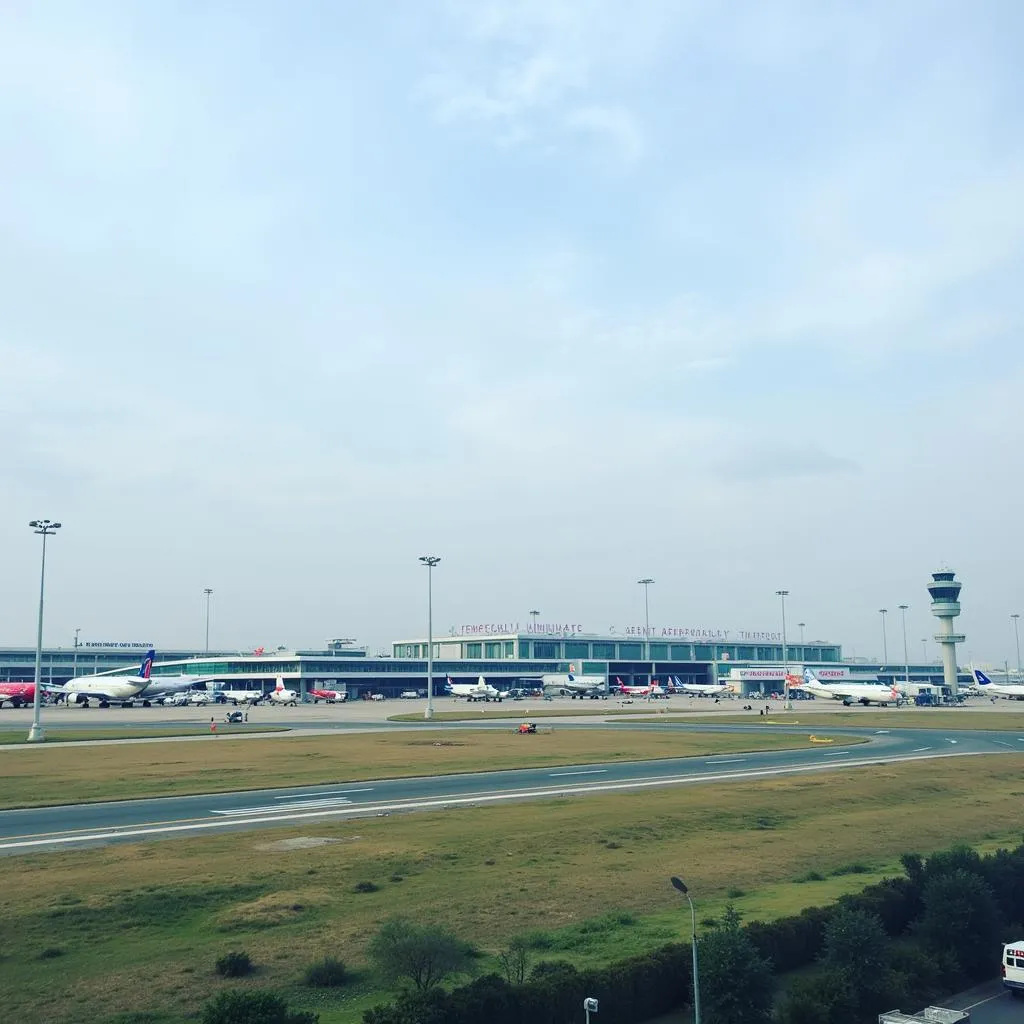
[[17, 694], [652, 689], [330, 696]]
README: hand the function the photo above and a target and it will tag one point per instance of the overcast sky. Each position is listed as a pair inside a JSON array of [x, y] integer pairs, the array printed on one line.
[[567, 292]]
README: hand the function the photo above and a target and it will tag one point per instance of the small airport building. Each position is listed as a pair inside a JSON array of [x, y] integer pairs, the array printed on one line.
[[754, 664]]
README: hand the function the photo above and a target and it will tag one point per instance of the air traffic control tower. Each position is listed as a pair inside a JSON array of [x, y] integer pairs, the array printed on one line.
[[945, 591]]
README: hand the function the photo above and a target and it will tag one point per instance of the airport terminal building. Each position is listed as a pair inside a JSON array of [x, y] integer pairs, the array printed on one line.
[[754, 663]]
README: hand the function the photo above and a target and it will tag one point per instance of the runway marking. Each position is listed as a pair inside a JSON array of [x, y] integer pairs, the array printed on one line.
[[982, 1002], [286, 808], [835, 753], [591, 771], [918, 750], [340, 792], [732, 760], [881, 732], [1003, 743], [441, 803], [948, 740]]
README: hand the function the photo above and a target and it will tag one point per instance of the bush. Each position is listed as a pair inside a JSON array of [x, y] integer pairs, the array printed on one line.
[[366, 887], [421, 954], [51, 952], [326, 973], [234, 965], [253, 1008]]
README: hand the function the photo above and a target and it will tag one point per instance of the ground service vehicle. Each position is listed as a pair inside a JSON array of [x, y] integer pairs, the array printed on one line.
[[1013, 967]]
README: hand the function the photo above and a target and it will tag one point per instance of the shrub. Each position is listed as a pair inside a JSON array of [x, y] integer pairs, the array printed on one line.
[[252, 1008], [326, 973], [234, 965], [422, 954], [366, 887], [51, 952]]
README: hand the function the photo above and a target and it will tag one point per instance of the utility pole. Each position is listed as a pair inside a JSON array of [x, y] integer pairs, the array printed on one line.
[[45, 529], [207, 591], [885, 642], [645, 583]]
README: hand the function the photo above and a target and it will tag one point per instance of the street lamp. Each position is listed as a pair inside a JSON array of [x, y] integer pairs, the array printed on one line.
[[430, 561], [782, 595], [207, 591], [1016, 633], [45, 528], [885, 642], [678, 883], [74, 670], [645, 583], [906, 657]]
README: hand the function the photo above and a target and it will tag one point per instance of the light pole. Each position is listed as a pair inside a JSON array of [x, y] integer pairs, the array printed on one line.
[[924, 649], [906, 657], [74, 670], [645, 583], [782, 595], [207, 591], [45, 528], [801, 625], [533, 614], [678, 883], [885, 642], [1016, 633], [430, 561]]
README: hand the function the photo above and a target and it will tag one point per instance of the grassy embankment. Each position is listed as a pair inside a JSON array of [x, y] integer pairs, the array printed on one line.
[[135, 929], [35, 776]]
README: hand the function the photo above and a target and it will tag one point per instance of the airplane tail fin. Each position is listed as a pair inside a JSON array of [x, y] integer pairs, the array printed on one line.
[[279, 686], [809, 676], [147, 664], [980, 678]]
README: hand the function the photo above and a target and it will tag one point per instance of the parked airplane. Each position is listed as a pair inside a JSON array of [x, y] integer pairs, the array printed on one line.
[[17, 694], [652, 689], [850, 693], [330, 696], [243, 696], [1011, 691], [124, 690], [480, 690], [281, 695], [574, 685], [699, 689]]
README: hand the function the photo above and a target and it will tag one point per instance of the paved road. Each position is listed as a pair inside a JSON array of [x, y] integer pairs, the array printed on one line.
[[989, 1004], [69, 826]]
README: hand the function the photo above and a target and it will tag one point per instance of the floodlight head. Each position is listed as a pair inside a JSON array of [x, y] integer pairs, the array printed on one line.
[[645, 580], [678, 883], [429, 560], [590, 1004], [782, 593]]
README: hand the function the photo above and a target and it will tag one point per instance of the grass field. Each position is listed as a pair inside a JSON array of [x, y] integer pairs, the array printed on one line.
[[136, 929], [526, 711], [888, 718], [72, 735], [36, 776]]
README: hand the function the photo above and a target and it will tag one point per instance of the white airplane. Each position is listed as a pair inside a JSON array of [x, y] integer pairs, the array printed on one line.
[[124, 690], [850, 693], [480, 690], [574, 685], [281, 695], [700, 689], [984, 685], [243, 696], [651, 690]]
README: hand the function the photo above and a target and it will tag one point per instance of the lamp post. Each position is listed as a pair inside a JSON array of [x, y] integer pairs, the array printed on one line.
[[678, 883], [430, 561], [906, 657], [74, 670], [45, 528], [885, 642], [782, 595], [645, 583], [1016, 633], [924, 649], [801, 625], [533, 615], [207, 591]]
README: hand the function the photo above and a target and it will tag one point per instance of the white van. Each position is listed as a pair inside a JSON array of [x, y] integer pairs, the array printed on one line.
[[1013, 967]]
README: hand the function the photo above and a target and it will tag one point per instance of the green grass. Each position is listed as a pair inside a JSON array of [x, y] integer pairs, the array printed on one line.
[[527, 711], [887, 718], [61, 734], [140, 927], [36, 775]]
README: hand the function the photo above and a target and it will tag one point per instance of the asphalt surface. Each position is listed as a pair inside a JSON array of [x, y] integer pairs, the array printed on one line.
[[76, 825], [988, 1004]]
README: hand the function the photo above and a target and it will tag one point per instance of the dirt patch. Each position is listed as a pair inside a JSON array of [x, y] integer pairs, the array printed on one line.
[[303, 843]]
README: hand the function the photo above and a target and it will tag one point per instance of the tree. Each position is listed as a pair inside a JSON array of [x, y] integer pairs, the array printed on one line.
[[856, 945], [241, 1007], [825, 998], [736, 984], [961, 918], [422, 954], [515, 960]]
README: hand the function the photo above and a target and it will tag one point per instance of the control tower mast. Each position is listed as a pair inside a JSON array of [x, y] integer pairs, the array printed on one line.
[[945, 592]]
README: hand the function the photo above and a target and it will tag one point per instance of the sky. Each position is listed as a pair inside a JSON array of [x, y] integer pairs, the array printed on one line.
[[566, 293]]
